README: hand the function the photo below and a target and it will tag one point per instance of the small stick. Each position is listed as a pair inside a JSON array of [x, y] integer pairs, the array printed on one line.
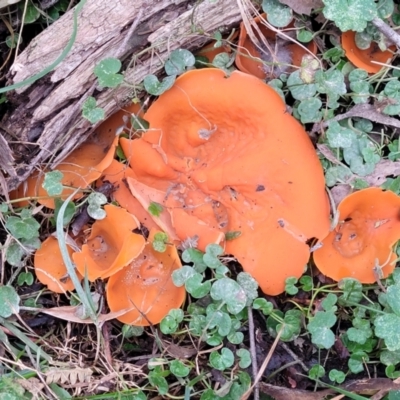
[[390, 33], [254, 364]]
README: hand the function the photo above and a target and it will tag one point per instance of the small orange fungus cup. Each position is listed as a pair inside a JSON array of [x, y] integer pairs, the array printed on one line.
[[111, 245], [50, 268], [363, 58], [361, 245], [248, 58], [223, 155], [145, 286]]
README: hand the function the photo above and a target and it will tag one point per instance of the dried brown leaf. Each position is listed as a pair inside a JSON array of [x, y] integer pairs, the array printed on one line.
[[70, 376], [303, 6], [339, 192], [68, 313], [383, 169]]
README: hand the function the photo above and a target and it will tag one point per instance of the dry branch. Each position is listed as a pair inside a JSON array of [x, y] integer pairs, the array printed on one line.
[[45, 122]]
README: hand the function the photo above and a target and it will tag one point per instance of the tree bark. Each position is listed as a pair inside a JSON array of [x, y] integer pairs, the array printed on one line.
[[44, 123]]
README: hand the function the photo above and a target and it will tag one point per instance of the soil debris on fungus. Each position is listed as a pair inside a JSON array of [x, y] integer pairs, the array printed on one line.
[[361, 245], [256, 144]]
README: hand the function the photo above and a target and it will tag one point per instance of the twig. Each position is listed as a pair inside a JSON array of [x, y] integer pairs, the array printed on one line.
[[254, 364], [367, 111], [390, 33]]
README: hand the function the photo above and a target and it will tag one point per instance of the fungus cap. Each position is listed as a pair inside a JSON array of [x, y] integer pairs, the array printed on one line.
[[361, 244], [145, 286], [249, 58], [50, 268], [362, 58], [225, 151], [111, 245]]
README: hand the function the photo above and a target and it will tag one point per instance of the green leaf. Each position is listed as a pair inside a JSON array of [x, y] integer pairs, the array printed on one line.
[[338, 136], [249, 285], [319, 327], [337, 376], [230, 293], [218, 319], [291, 325], [195, 256], [222, 361], [222, 61], [278, 14], [179, 369], [387, 327], [170, 323], [181, 275], [316, 371], [26, 228], [157, 380], [357, 361], [129, 331], [52, 183], [178, 61], [309, 110], [393, 298], [290, 285], [155, 87], [69, 211], [330, 82], [11, 41], [14, 254], [350, 14], [92, 113], [9, 301], [195, 286], [262, 304], [96, 200], [304, 36], [235, 337], [385, 8], [244, 358], [25, 278], [298, 88], [155, 209], [352, 291], [328, 304], [32, 13], [232, 235], [107, 72]]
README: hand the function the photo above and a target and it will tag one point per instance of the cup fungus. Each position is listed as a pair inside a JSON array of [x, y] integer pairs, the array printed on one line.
[[82, 167], [278, 59], [145, 286], [361, 244], [363, 58], [50, 268], [111, 245], [222, 152]]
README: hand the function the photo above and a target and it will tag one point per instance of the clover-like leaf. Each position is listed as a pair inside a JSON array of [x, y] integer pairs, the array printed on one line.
[[231, 293], [178, 61], [155, 208], [91, 112], [300, 89], [23, 228], [319, 327], [244, 358], [52, 183], [310, 110], [339, 136], [107, 72], [155, 87], [96, 200], [9, 301], [350, 14], [278, 14], [223, 360], [179, 369]]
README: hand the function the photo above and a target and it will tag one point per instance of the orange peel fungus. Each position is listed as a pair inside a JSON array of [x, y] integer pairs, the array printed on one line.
[[111, 245], [223, 155], [50, 268], [361, 244], [145, 286]]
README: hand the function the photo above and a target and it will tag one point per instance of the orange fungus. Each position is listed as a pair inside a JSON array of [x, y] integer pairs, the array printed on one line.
[[111, 245], [363, 58], [361, 244], [223, 155], [145, 286], [50, 268]]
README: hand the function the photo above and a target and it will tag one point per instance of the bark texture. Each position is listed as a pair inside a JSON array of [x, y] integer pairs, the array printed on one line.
[[45, 122]]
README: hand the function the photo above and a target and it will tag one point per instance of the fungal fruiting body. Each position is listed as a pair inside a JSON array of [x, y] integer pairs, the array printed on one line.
[[364, 59], [145, 288], [222, 155], [361, 245]]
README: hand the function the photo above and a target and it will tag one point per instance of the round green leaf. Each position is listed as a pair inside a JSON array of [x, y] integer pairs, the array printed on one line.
[[231, 293], [178, 61], [278, 14], [223, 360], [244, 357], [9, 301], [309, 110], [155, 87], [298, 88], [106, 72], [179, 369]]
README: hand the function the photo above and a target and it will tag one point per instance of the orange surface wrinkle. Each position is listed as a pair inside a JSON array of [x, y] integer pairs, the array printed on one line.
[[363, 58], [50, 268], [226, 152], [361, 244], [145, 286], [248, 57], [111, 245]]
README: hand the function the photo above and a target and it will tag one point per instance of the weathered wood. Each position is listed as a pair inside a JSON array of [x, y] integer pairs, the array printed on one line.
[[46, 116]]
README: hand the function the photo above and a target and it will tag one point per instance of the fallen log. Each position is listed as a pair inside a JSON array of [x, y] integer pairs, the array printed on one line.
[[44, 121]]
